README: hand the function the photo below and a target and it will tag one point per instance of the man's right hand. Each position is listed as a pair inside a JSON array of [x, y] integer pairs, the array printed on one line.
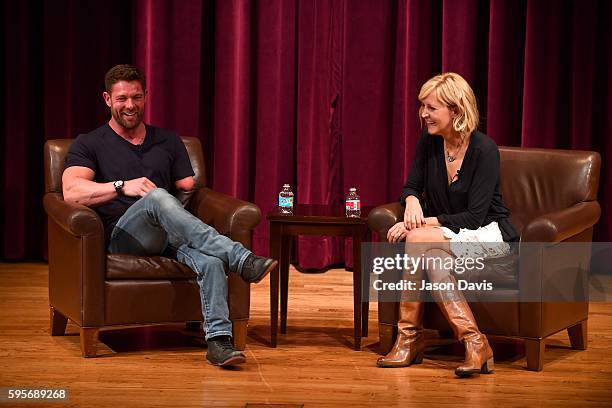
[[138, 187], [413, 214]]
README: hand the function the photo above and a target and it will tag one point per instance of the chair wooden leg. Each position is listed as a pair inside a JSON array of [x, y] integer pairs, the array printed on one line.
[[578, 335], [193, 326], [534, 349], [89, 340], [58, 322], [386, 335], [239, 333]]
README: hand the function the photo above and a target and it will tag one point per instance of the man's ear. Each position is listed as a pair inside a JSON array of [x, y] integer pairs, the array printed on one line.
[[107, 98]]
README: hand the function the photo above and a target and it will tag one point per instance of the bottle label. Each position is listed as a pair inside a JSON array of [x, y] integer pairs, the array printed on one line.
[[285, 202], [353, 205]]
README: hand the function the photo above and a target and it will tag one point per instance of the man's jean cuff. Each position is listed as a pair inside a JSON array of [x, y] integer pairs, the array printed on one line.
[[242, 259], [219, 333]]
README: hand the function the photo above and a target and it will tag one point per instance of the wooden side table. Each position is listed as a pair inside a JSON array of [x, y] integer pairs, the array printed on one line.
[[315, 220]]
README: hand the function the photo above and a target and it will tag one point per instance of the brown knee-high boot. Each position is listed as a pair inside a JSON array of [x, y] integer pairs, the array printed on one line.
[[410, 343], [478, 353]]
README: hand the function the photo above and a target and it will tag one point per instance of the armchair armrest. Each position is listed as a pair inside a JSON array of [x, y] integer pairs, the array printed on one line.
[[77, 261], [383, 217], [76, 219], [550, 271], [228, 215], [561, 225]]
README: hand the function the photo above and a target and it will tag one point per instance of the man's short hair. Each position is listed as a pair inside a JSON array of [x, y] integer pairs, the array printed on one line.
[[124, 72]]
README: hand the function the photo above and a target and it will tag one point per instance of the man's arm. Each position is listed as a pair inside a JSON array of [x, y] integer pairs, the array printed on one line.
[[185, 184], [78, 187], [184, 190]]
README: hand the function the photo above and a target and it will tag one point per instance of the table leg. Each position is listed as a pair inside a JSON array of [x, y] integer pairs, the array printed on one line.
[[365, 290], [284, 280], [357, 319], [275, 253]]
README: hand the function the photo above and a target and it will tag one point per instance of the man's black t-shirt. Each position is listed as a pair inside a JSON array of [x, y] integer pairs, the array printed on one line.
[[162, 158]]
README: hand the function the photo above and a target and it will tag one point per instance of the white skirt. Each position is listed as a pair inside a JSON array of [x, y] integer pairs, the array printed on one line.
[[484, 242]]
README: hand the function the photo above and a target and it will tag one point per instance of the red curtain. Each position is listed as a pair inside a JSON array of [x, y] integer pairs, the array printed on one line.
[[320, 93]]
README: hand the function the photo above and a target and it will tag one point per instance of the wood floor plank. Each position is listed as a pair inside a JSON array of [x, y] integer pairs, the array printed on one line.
[[314, 364]]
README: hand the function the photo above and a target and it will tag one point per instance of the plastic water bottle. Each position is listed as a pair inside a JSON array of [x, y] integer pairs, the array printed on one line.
[[353, 203], [285, 200]]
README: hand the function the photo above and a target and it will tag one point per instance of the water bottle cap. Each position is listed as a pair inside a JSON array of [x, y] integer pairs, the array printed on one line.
[[286, 186], [352, 189]]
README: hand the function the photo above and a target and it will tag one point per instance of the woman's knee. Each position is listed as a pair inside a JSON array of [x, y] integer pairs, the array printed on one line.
[[425, 235], [414, 235]]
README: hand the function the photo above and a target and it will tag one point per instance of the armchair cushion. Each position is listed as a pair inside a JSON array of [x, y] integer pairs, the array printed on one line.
[[125, 267]]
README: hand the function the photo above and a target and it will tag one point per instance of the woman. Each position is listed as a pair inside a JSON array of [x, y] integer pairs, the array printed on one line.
[[455, 173]]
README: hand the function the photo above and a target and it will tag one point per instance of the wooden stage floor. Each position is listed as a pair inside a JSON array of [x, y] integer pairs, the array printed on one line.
[[314, 365]]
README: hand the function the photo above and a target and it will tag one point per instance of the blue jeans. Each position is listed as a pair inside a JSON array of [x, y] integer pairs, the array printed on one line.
[[158, 221]]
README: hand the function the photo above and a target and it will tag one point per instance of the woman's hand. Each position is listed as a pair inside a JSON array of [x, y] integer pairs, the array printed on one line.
[[397, 233], [413, 215]]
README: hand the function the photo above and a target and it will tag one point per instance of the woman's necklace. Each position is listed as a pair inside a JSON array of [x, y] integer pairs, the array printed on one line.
[[452, 157]]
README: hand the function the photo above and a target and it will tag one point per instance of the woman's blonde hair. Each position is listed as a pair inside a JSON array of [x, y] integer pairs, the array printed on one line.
[[454, 92]]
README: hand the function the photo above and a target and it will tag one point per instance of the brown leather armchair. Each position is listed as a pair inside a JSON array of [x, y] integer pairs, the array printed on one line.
[[552, 196], [96, 290]]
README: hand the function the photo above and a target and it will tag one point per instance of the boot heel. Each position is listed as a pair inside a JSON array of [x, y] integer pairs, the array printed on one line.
[[488, 367], [418, 359]]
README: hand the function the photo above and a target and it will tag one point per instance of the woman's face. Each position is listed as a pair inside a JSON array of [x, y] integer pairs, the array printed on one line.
[[437, 117]]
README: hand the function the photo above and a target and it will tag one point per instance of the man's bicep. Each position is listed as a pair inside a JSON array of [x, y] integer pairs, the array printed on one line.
[[74, 174]]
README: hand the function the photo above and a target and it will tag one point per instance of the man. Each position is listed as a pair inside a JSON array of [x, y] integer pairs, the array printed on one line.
[[126, 170]]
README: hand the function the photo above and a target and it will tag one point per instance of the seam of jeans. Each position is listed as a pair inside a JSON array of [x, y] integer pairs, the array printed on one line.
[[205, 306], [148, 205]]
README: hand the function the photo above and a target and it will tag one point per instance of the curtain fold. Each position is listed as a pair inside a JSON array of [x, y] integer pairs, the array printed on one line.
[[235, 89], [276, 110], [506, 59], [167, 45], [320, 94], [318, 86], [459, 37], [22, 219]]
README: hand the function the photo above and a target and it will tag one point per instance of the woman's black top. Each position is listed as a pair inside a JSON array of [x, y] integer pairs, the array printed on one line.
[[471, 201]]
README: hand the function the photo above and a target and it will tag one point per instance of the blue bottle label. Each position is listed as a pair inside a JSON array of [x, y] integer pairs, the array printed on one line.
[[285, 202]]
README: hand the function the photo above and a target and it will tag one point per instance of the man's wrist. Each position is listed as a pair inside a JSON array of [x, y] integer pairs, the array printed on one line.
[[118, 185]]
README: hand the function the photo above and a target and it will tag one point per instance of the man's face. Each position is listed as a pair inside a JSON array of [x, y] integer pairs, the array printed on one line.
[[126, 102]]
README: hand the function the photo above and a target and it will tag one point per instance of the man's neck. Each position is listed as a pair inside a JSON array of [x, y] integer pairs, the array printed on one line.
[[131, 135]]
